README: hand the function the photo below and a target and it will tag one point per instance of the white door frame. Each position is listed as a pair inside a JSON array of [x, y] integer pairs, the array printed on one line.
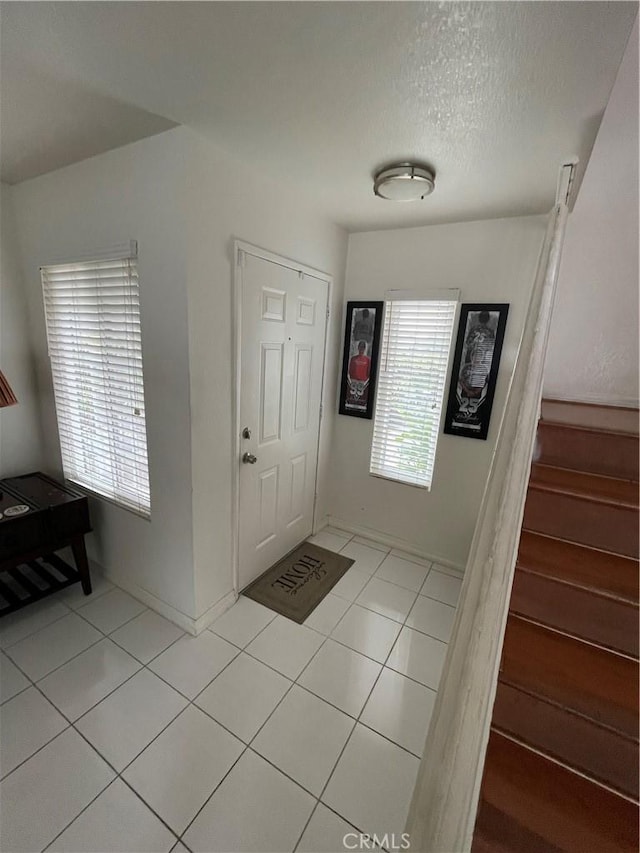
[[240, 247]]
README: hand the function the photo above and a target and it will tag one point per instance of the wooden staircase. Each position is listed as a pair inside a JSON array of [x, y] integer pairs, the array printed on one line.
[[561, 771]]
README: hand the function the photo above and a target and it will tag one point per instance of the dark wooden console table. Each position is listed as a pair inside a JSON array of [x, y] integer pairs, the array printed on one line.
[[56, 516]]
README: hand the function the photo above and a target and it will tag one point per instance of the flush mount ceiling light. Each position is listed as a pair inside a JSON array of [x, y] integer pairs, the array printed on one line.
[[404, 182]]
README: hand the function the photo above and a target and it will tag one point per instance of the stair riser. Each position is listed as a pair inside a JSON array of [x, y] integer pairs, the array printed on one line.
[[575, 611], [585, 485], [595, 682], [610, 527], [496, 832], [608, 454], [598, 752], [568, 811], [578, 564], [561, 768]]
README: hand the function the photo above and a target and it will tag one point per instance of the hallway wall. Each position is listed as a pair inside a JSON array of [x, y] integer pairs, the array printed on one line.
[[223, 202], [184, 201], [128, 193], [593, 344], [489, 261]]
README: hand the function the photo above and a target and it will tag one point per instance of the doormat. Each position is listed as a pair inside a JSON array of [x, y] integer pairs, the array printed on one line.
[[296, 585]]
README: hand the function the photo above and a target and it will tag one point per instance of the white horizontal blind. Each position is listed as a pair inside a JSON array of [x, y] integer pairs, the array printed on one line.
[[413, 366], [92, 311]]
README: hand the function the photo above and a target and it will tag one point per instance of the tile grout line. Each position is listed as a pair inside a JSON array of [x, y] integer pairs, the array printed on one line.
[[61, 601], [296, 683], [430, 568], [106, 696], [288, 690], [37, 630], [145, 665], [357, 651], [72, 723], [248, 746], [193, 701], [439, 600], [322, 698], [304, 828], [73, 657], [358, 722], [23, 674], [137, 755], [346, 743], [55, 669], [35, 683], [102, 790]]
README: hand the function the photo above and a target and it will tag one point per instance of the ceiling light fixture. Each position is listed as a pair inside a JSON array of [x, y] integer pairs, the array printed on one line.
[[404, 182]]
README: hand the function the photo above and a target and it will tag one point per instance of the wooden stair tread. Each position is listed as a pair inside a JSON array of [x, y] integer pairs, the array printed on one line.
[[592, 487], [548, 799], [599, 752], [606, 418], [587, 567], [583, 613], [561, 769], [593, 681], [592, 430]]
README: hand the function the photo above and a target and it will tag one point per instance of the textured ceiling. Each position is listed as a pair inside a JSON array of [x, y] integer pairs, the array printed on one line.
[[493, 95]]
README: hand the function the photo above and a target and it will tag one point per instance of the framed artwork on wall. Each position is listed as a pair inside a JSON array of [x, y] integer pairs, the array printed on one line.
[[360, 358], [475, 369]]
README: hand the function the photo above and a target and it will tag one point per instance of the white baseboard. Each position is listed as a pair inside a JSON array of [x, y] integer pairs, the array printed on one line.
[[321, 524], [217, 609], [594, 400], [187, 623], [392, 542]]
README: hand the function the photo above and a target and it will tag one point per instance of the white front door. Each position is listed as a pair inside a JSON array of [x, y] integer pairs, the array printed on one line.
[[283, 319]]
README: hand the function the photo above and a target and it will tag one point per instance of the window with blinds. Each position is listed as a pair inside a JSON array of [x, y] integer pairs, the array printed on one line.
[[416, 340], [92, 313]]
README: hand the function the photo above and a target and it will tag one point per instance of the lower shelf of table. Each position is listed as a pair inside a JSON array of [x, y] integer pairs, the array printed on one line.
[[33, 581]]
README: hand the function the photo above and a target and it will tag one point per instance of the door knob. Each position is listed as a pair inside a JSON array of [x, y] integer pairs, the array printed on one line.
[[249, 458]]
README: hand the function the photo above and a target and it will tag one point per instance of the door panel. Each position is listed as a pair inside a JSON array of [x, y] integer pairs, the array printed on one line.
[[270, 392], [283, 320], [303, 383], [268, 506], [298, 482]]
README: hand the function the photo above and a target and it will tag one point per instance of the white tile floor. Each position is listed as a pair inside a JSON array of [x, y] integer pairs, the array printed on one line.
[[121, 733]]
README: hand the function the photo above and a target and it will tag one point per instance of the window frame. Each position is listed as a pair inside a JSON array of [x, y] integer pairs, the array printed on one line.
[[121, 252], [444, 295]]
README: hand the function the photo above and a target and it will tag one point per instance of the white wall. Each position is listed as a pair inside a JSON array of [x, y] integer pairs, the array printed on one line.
[[20, 436], [489, 261], [184, 202], [129, 193], [593, 346], [224, 202]]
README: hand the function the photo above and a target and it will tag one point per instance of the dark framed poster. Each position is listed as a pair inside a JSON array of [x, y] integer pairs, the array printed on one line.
[[360, 358], [475, 369]]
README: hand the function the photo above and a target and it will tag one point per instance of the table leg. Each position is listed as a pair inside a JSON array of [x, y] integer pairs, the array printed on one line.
[[82, 564]]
